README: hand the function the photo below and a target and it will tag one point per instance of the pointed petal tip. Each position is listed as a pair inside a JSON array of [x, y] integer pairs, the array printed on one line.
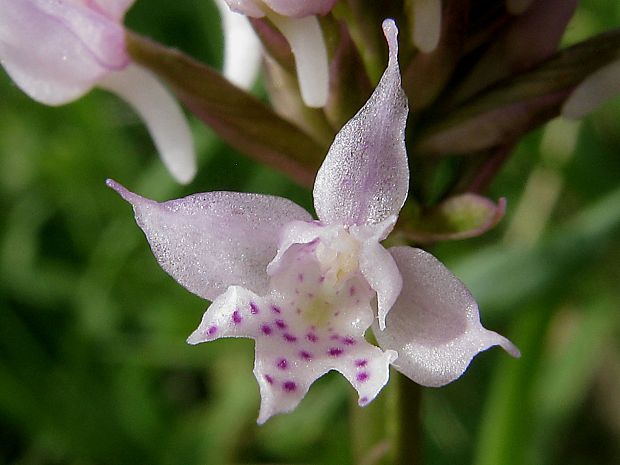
[[390, 30], [121, 190], [194, 339], [509, 347]]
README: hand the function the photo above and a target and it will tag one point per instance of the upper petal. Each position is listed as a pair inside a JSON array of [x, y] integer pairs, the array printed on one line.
[[365, 177], [434, 325], [56, 51], [210, 241]]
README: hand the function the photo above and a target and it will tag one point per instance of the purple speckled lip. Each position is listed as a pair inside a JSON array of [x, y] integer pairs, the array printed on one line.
[[335, 352], [289, 386]]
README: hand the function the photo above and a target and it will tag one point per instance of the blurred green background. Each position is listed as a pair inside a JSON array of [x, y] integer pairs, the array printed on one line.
[[94, 368]]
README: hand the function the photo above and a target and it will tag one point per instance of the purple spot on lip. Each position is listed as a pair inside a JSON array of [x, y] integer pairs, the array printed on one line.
[[361, 377], [276, 309], [211, 330], [269, 379], [352, 291], [253, 308], [282, 364], [236, 317], [363, 400], [281, 324], [289, 386], [334, 337], [335, 351], [300, 277], [312, 337], [289, 337], [305, 355], [266, 329], [348, 340], [361, 363], [321, 279]]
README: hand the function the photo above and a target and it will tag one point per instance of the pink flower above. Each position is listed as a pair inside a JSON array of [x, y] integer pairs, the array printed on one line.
[[57, 51]]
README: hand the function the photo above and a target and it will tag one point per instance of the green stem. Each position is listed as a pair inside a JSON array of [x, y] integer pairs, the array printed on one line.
[[389, 430], [409, 438]]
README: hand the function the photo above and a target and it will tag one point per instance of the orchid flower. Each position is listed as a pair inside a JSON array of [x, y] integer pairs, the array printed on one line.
[[304, 289], [297, 21], [56, 51]]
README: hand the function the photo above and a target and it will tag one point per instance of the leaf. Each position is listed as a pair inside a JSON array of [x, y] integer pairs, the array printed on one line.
[[516, 105]]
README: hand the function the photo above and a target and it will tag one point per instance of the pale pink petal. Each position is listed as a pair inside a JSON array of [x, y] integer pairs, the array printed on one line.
[[378, 266], [305, 38], [161, 114], [242, 49], [103, 36], [365, 177], [210, 241], [304, 328], [250, 8], [300, 8], [56, 52], [434, 325], [114, 9], [295, 232]]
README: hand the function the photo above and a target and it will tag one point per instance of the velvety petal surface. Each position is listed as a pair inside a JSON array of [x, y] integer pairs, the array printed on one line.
[[434, 325], [210, 241], [161, 114], [365, 177], [56, 51], [309, 323]]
